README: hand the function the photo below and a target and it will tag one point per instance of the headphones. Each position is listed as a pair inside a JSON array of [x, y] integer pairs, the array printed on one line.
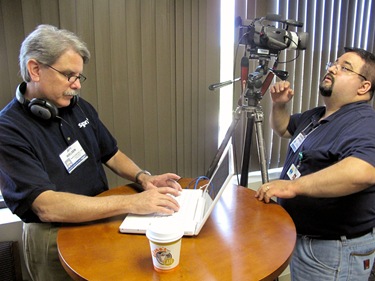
[[40, 107]]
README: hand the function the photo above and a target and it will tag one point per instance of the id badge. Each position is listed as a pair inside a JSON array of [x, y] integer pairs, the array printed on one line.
[[73, 156], [293, 172], [296, 143]]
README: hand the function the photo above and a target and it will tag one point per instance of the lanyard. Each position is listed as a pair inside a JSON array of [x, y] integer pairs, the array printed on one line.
[[297, 142]]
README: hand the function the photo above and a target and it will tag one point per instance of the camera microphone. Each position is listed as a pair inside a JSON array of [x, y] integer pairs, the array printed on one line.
[[278, 18], [274, 17], [294, 23]]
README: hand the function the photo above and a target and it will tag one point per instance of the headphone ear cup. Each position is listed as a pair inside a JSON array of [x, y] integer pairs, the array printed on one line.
[[43, 109], [40, 107]]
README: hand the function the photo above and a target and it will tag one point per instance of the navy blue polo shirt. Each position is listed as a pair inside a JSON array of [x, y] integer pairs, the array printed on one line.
[[348, 132], [30, 151]]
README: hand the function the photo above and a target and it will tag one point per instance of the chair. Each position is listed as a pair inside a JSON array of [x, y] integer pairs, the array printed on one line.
[[10, 263]]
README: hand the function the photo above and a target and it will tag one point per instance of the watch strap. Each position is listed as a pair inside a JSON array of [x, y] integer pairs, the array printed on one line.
[[140, 173]]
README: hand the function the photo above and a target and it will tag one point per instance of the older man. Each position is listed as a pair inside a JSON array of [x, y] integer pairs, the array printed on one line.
[[52, 150]]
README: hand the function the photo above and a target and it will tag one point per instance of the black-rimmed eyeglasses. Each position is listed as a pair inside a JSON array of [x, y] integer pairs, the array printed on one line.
[[71, 78], [343, 69]]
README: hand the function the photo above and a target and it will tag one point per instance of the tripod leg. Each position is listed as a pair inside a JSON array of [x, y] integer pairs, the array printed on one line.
[[246, 152], [261, 147], [224, 143]]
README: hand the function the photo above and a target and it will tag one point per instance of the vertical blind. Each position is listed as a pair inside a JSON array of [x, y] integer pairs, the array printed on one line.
[[331, 25], [153, 60], [151, 64]]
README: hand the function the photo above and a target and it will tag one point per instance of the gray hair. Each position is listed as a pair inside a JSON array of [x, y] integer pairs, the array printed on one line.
[[46, 44]]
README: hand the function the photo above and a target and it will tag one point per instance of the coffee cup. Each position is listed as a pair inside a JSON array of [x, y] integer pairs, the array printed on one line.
[[165, 244]]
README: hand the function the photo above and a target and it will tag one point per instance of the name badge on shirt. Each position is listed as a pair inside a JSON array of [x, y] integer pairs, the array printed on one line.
[[293, 172], [73, 156], [296, 143]]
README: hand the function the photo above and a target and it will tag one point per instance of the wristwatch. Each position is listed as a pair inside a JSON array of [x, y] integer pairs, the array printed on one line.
[[139, 173]]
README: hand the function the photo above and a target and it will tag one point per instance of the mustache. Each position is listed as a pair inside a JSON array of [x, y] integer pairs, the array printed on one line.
[[330, 76], [71, 93]]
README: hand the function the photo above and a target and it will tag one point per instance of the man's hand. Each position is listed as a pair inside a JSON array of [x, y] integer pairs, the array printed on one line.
[[164, 180], [281, 93], [278, 188], [155, 200]]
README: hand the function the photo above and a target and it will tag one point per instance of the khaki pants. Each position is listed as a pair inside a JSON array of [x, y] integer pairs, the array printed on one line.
[[40, 252]]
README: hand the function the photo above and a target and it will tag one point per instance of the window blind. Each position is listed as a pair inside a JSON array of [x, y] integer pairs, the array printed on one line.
[[332, 25], [151, 64]]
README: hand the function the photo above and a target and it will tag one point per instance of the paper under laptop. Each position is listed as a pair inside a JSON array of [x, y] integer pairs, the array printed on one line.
[[196, 205]]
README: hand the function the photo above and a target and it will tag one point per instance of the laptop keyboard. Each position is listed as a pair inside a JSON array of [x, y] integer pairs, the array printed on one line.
[[186, 216], [186, 211]]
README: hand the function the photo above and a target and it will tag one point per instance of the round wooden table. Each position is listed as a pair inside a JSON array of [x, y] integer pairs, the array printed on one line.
[[243, 239]]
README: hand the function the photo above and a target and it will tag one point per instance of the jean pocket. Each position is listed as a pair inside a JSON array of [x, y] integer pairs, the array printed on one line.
[[361, 263], [326, 253]]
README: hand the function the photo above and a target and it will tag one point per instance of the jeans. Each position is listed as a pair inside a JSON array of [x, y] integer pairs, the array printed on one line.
[[333, 260]]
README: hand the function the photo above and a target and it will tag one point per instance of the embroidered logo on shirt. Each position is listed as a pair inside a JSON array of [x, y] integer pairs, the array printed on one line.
[[84, 123]]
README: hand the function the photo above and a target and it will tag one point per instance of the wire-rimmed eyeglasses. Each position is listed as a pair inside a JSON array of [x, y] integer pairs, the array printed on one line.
[[71, 78], [342, 68]]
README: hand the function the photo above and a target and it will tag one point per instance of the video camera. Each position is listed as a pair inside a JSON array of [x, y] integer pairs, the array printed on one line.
[[266, 40]]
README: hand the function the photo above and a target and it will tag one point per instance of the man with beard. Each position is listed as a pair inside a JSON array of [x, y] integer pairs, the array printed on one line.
[[328, 181], [52, 150]]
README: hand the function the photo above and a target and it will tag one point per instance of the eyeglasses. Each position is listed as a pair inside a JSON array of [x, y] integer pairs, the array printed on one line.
[[71, 78], [343, 68]]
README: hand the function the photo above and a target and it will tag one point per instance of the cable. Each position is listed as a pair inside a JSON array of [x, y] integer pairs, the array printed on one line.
[[296, 57], [196, 182]]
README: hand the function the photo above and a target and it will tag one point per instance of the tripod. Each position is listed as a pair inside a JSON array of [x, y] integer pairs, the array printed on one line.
[[250, 105]]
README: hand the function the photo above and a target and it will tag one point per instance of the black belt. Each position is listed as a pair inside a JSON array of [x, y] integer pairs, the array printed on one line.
[[337, 237]]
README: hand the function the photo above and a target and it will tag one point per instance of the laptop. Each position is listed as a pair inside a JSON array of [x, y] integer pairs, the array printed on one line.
[[196, 204]]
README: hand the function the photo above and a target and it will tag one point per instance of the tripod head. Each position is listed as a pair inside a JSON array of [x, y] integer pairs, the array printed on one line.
[[255, 87], [252, 93]]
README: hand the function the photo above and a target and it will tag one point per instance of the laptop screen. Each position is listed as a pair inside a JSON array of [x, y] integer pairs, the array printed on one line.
[[220, 176], [219, 181], [223, 170]]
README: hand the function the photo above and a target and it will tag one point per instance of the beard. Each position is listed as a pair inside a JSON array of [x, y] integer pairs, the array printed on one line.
[[326, 88]]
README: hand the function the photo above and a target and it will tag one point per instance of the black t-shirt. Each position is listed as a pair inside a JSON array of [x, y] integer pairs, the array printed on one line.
[[32, 151]]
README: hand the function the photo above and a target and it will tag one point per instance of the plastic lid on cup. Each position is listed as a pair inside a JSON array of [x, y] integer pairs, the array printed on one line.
[[164, 232]]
